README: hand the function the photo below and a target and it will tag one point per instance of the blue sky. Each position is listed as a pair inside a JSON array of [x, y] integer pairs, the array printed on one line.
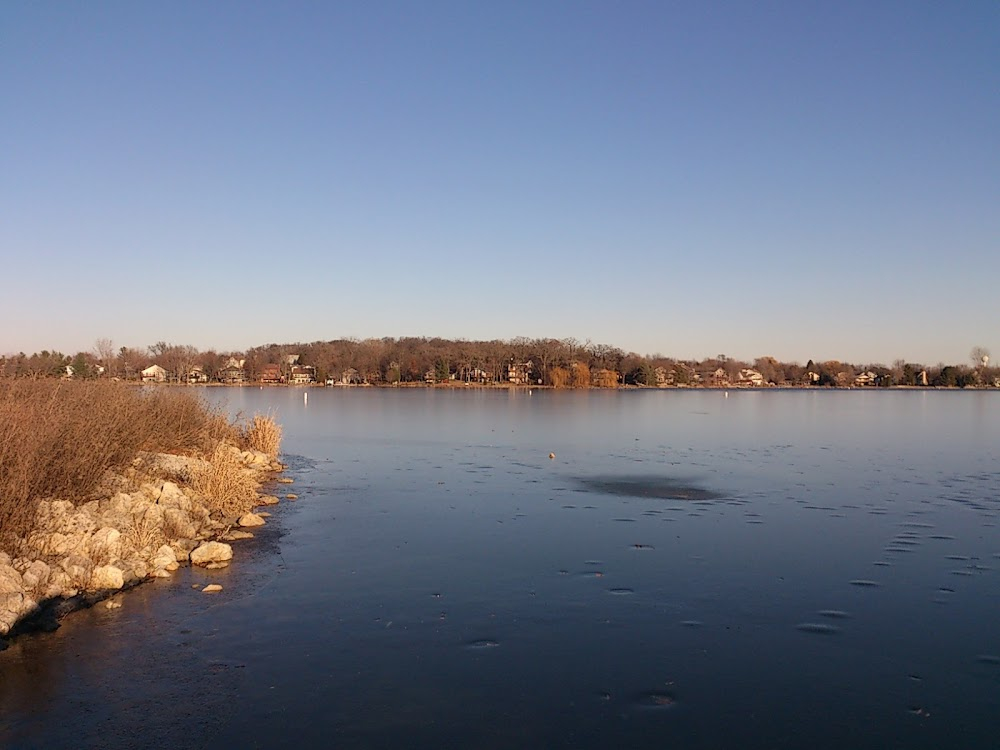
[[804, 180]]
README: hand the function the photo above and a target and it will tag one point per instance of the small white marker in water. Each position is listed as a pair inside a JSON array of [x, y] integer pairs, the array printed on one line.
[[305, 398], [727, 394]]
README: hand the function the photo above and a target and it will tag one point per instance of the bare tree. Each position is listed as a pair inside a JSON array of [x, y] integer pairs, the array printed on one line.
[[107, 356], [133, 361], [980, 356]]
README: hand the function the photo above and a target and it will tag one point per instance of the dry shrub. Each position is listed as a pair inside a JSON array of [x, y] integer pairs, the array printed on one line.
[[559, 377], [225, 483], [180, 422], [579, 375], [263, 434], [60, 438], [605, 379], [142, 533]]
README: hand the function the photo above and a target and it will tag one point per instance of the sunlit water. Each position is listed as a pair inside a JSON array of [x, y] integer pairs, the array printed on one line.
[[763, 570]]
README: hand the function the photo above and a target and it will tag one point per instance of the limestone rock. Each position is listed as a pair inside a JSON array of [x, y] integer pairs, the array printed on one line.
[[249, 520], [36, 577], [10, 580], [182, 549], [4, 558], [78, 568], [13, 606], [120, 504], [150, 491], [59, 582], [58, 544], [106, 541], [164, 558], [268, 500], [211, 552], [284, 480], [154, 515], [236, 535], [169, 466], [171, 496], [106, 577], [291, 496], [178, 524], [59, 508], [78, 523], [217, 565], [211, 588], [112, 604]]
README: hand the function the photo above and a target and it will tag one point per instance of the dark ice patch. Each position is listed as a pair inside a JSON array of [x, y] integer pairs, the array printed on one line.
[[662, 488]]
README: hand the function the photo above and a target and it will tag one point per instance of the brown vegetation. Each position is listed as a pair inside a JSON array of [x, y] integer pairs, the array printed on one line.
[[226, 482], [59, 439], [605, 379], [262, 434], [579, 375], [559, 377]]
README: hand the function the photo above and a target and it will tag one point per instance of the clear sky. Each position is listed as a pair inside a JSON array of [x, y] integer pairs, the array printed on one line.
[[799, 179]]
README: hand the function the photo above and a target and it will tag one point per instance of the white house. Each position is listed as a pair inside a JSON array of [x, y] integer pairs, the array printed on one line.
[[154, 374], [866, 378], [751, 378]]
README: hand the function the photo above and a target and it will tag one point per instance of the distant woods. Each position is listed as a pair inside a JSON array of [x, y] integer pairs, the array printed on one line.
[[559, 363]]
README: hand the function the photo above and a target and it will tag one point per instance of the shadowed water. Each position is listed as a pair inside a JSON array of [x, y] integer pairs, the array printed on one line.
[[768, 570], [664, 488]]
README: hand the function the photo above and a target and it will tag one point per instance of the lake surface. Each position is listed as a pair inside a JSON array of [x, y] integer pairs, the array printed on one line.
[[764, 570]]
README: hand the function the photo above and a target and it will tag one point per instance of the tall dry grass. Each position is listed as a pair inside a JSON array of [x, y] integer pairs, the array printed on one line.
[[60, 438], [262, 433], [226, 483]]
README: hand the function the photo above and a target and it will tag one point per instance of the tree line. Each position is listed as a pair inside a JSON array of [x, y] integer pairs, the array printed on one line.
[[541, 361]]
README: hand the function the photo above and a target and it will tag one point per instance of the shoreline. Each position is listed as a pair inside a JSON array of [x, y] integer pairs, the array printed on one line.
[[143, 523], [526, 387]]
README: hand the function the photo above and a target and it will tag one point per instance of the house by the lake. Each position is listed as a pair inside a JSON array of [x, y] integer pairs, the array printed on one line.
[[271, 374], [867, 378], [233, 371], [197, 375], [751, 378], [302, 375], [154, 374], [519, 373]]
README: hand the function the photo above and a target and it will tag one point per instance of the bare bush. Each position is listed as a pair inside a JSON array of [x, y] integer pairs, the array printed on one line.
[[263, 434], [61, 438], [225, 483], [142, 534]]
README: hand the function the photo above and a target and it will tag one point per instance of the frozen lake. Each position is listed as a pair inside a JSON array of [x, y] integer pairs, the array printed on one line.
[[764, 570]]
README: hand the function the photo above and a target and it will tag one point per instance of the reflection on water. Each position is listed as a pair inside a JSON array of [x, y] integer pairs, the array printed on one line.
[[771, 570]]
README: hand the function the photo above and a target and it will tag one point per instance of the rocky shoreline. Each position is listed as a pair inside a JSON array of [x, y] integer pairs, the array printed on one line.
[[143, 523]]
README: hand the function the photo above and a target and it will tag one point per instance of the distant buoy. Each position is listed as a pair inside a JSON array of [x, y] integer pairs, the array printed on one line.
[[727, 394], [305, 398], [552, 455]]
